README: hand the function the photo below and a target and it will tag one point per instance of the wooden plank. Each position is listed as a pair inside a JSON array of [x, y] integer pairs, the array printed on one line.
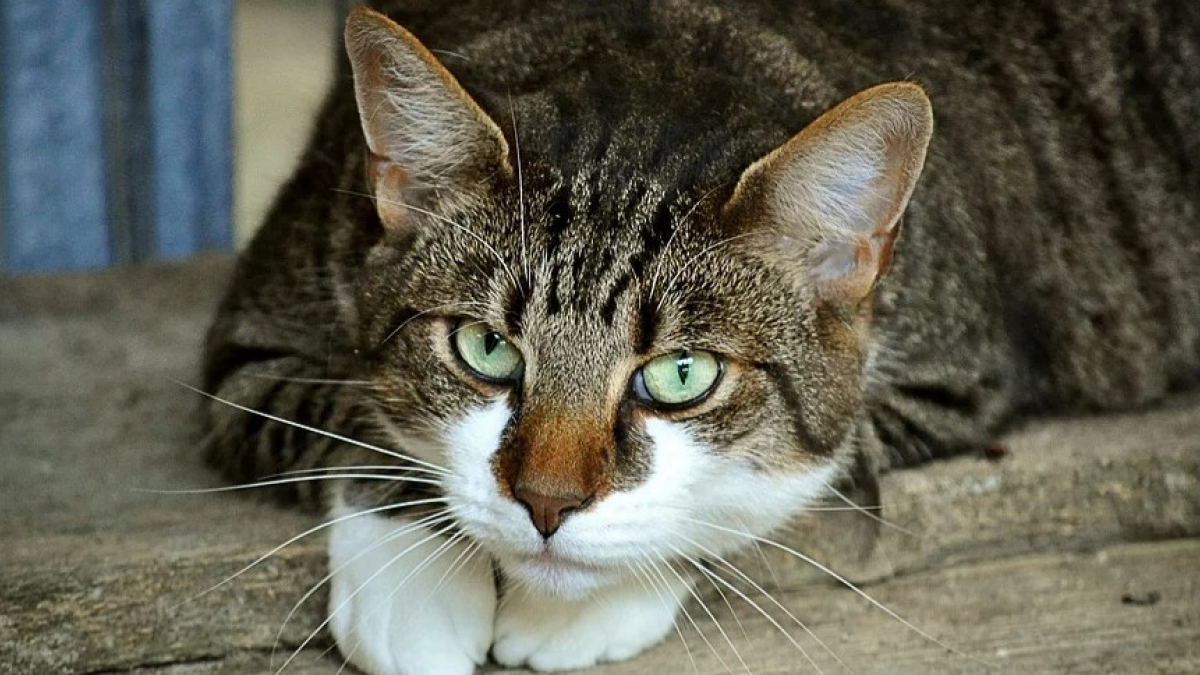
[[1038, 613], [53, 210], [129, 132], [1057, 612]]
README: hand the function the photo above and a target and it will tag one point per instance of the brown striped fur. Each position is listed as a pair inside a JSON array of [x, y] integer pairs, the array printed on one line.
[[1049, 259]]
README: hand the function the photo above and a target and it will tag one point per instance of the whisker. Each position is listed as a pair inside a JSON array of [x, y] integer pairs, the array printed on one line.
[[762, 558], [436, 518], [447, 52], [309, 531], [305, 427], [308, 380], [691, 506], [297, 479], [822, 509], [438, 308], [429, 560], [383, 568], [683, 223], [721, 591], [715, 578], [644, 578], [401, 584], [431, 214], [359, 467], [462, 326], [688, 264], [512, 114], [845, 582], [758, 588], [708, 612], [866, 511], [729, 605], [687, 615], [454, 568]]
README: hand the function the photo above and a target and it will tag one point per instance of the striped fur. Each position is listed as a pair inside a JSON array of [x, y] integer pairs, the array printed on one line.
[[590, 209]]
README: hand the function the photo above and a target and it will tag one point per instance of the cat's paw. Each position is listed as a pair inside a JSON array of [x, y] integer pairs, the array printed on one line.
[[408, 605], [614, 624]]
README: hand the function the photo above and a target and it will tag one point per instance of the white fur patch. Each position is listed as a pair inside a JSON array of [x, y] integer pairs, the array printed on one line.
[[406, 601], [729, 493], [688, 487], [584, 596], [614, 624]]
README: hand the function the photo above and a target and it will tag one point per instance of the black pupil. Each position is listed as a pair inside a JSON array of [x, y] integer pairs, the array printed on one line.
[[684, 365], [491, 341]]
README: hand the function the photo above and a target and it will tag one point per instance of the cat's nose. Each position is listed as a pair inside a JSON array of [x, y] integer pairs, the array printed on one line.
[[548, 511]]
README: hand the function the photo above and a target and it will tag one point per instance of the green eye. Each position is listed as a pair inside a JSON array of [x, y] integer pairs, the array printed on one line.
[[486, 352], [677, 379]]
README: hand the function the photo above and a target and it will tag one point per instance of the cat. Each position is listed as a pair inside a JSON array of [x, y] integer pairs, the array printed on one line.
[[584, 293]]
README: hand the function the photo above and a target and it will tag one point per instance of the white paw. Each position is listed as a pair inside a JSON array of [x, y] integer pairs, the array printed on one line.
[[404, 607], [615, 623]]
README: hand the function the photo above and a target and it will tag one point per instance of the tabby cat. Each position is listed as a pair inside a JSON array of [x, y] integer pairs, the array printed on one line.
[[580, 290]]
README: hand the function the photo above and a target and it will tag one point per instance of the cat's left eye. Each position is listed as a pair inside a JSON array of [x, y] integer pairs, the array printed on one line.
[[486, 352], [678, 379]]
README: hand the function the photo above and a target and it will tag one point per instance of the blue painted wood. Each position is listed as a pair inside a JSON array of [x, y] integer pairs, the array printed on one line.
[[51, 168], [128, 132], [190, 85], [115, 131]]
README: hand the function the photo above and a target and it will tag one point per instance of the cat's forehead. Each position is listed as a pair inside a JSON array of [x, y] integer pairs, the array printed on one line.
[[602, 206], [600, 243]]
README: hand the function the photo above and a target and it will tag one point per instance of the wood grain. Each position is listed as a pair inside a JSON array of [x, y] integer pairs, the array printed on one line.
[[1022, 563]]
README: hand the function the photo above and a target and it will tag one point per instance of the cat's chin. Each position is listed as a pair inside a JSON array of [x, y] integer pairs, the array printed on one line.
[[557, 576]]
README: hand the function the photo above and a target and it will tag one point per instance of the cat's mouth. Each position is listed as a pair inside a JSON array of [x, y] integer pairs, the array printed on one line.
[[558, 574], [547, 560], [548, 556]]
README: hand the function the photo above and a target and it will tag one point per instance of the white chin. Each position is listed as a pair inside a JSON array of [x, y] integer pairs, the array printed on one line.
[[558, 577]]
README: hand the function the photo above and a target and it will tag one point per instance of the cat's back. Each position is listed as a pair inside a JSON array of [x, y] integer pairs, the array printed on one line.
[[1058, 213], [1061, 196]]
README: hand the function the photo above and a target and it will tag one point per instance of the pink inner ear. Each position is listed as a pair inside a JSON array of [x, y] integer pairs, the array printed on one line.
[[388, 180], [386, 174], [845, 270], [833, 262]]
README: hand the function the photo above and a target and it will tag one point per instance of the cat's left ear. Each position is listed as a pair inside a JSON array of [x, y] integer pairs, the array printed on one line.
[[423, 129], [831, 198]]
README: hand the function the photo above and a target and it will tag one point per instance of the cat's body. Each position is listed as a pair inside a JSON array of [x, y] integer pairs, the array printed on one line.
[[1050, 260]]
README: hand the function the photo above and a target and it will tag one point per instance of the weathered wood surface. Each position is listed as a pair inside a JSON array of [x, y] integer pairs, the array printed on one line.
[[1022, 563]]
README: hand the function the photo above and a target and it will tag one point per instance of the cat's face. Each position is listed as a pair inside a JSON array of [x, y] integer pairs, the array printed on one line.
[[653, 376], [620, 374]]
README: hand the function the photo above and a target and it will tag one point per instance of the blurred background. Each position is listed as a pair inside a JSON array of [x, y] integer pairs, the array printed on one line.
[[284, 53], [133, 131]]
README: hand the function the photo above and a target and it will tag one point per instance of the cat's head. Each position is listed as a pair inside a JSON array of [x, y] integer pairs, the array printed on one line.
[[618, 373]]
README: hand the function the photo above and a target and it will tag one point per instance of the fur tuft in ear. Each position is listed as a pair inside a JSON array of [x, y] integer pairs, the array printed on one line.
[[422, 128], [835, 192]]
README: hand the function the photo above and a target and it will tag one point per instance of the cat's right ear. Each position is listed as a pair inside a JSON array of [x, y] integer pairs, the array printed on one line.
[[423, 130]]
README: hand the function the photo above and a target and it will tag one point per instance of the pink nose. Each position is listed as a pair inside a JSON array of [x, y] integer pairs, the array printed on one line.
[[547, 512]]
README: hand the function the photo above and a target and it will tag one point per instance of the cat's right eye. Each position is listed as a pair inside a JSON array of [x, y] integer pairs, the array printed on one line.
[[486, 352]]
